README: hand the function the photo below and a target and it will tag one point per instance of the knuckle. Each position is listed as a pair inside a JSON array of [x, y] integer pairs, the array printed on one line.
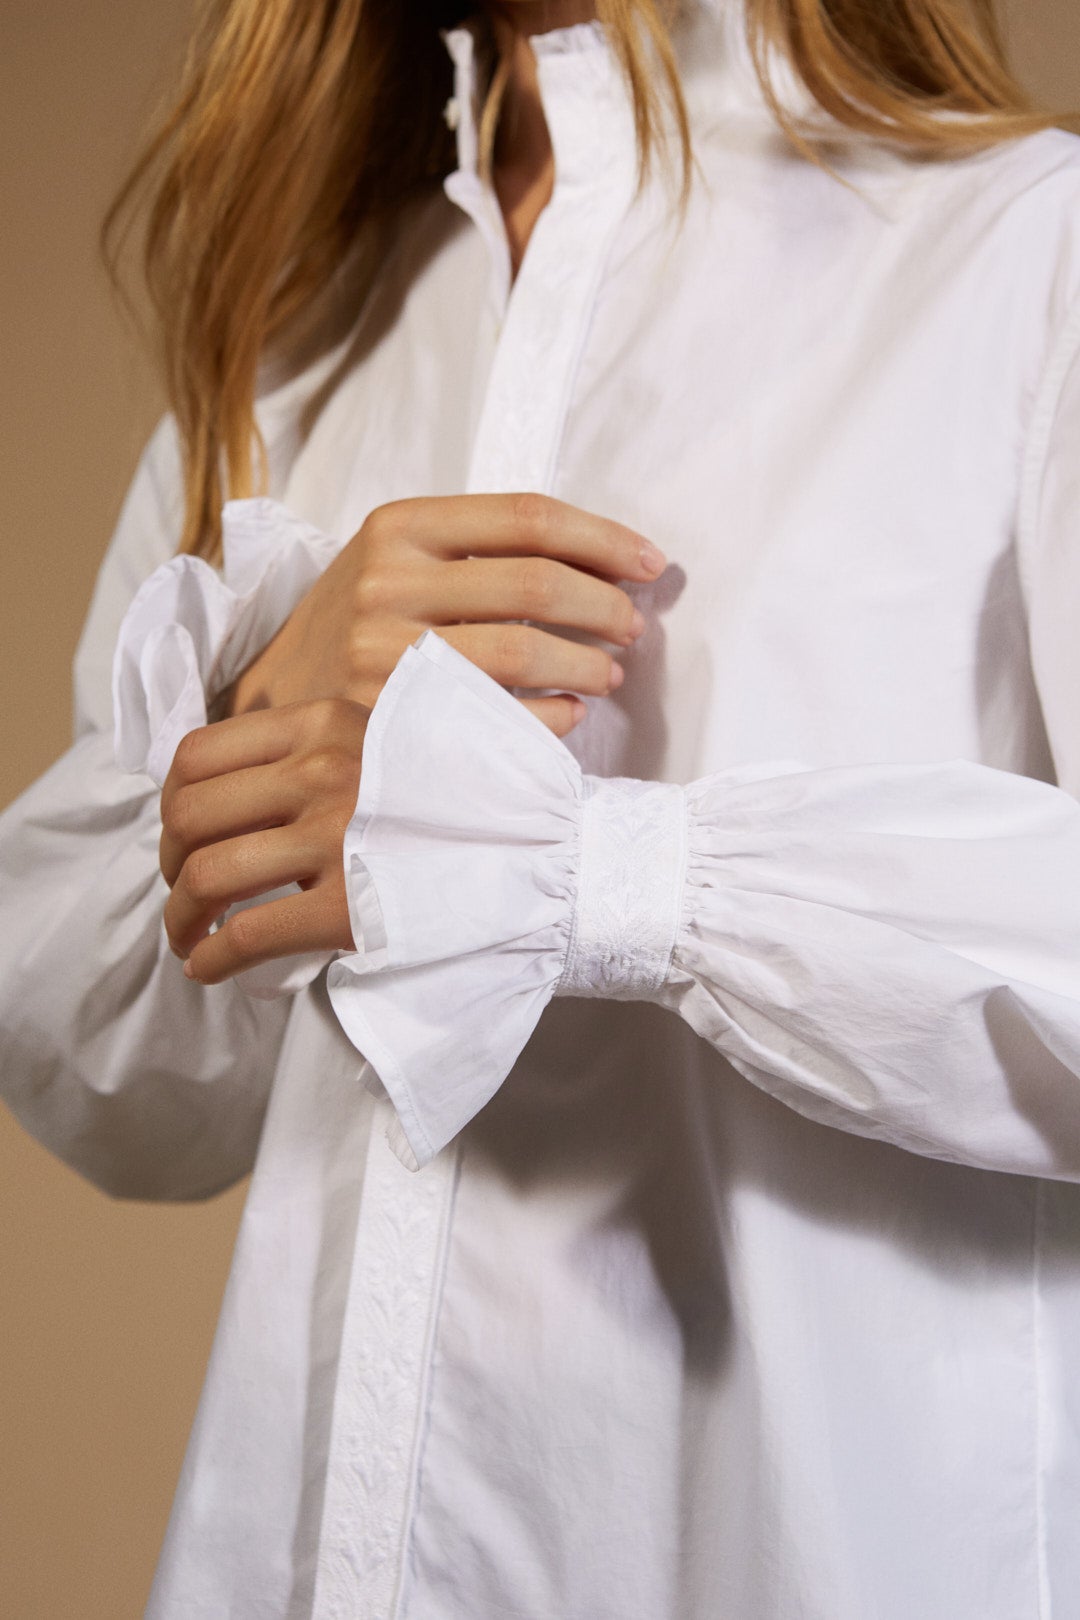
[[177, 816], [242, 932], [186, 757], [514, 655], [372, 592], [534, 515], [374, 649], [325, 719], [364, 651], [387, 525], [329, 771], [537, 583], [200, 876]]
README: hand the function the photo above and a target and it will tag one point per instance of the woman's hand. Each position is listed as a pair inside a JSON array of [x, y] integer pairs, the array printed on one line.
[[252, 804], [469, 566], [262, 798]]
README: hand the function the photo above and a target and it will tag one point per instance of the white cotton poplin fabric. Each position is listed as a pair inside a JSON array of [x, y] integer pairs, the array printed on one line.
[[191, 630], [758, 1297], [486, 875], [187, 635]]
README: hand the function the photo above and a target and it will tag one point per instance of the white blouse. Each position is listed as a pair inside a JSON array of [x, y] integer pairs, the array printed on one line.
[[735, 1044]]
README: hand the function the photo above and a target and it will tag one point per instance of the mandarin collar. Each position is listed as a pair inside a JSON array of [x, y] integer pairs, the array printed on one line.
[[584, 97], [584, 93]]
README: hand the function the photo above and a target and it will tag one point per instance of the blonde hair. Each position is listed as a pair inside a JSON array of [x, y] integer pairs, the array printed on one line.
[[300, 121]]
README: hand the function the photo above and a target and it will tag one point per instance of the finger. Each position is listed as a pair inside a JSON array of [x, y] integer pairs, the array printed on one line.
[[242, 741], [313, 921], [559, 714], [540, 589], [205, 812], [518, 526], [260, 737], [255, 799], [520, 655], [215, 877]]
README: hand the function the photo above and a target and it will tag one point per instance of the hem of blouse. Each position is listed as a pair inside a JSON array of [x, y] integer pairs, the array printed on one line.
[[1064, 352]]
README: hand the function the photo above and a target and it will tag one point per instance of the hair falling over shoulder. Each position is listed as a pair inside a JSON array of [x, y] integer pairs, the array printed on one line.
[[300, 121]]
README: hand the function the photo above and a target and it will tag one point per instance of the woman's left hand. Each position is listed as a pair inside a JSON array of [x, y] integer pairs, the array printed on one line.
[[251, 804]]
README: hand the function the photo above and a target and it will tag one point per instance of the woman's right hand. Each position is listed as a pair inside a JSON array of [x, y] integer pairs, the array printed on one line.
[[471, 567]]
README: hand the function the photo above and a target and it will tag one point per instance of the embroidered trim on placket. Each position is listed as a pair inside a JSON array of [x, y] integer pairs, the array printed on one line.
[[381, 1394], [380, 1408], [549, 307]]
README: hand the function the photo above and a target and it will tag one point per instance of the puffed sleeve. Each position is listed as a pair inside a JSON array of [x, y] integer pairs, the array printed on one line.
[[1050, 553], [149, 1085], [890, 950]]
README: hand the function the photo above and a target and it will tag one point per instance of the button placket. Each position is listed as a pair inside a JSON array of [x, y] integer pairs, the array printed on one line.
[[405, 1220], [548, 310]]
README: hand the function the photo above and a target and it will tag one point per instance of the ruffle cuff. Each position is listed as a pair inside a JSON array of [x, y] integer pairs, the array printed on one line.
[[190, 630], [486, 874]]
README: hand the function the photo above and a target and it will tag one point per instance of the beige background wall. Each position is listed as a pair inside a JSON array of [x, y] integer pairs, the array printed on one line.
[[106, 1310]]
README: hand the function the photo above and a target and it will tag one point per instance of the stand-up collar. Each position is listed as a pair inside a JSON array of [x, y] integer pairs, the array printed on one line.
[[585, 101], [584, 94]]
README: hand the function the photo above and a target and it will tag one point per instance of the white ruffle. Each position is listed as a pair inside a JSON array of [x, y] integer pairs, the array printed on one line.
[[189, 632], [887, 949], [463, 866]]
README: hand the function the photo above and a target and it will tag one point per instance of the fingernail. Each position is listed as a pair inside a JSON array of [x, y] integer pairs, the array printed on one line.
[[651, 558], [578, 710], [637, 624], [189, 971], [617, 676]]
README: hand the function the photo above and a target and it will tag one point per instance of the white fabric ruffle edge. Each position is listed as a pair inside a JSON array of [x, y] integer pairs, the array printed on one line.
[[189, 632], [461, 898], [479, 888]]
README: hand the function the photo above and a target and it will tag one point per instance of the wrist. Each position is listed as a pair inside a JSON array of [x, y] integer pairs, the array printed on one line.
[[250, 690]]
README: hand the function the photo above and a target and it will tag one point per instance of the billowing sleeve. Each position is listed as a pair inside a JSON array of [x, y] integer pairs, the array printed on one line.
[[147, 1084], [892, 950]]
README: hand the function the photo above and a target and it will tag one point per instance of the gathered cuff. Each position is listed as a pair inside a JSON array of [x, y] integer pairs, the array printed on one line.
[[187, 635], [191, 630], [486, 874]]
